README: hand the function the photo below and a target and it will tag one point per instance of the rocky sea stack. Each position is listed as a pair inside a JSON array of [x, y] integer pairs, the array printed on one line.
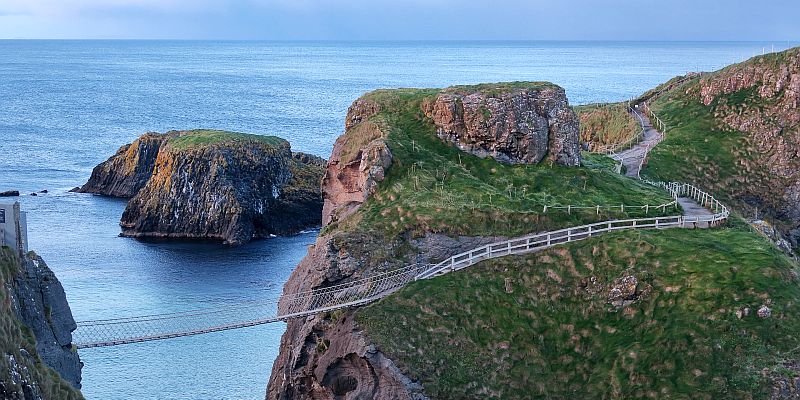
[[207, 184]]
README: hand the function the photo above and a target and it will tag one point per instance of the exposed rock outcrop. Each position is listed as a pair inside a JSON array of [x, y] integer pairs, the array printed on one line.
[[518, 125], [36, 301], [211, 185], [358, 162], [127, 171]]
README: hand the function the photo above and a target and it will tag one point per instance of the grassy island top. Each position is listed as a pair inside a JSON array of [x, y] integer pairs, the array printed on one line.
[[207, 137], [500, 87], [432, 186]]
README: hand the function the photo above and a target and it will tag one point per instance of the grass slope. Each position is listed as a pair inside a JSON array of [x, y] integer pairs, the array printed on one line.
[[15, 337], [540, 326], [606, 124], [434, 187], [698, 149], [743, 145]]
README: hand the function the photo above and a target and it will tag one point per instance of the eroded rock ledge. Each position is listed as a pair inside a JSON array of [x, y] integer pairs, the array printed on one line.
[[215, 185]]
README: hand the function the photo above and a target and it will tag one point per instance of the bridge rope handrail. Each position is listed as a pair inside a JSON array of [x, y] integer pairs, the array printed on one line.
[[98, 333]]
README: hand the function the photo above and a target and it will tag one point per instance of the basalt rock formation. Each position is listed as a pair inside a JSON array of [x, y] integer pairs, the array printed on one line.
[[127, 171], [212, 185], [329, 356], [512, 124], [38, 360]]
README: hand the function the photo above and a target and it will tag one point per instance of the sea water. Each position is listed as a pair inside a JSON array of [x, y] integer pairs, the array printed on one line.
[[65, 106]]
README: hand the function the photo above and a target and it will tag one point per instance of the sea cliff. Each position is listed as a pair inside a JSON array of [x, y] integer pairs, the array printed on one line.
[[38, 360], [737, 131], [213, 185]]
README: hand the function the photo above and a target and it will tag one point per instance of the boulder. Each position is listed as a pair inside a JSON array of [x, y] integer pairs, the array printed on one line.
[[512, 123]]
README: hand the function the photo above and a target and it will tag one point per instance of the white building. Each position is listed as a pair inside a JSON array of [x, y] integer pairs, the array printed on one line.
[[13, 227]]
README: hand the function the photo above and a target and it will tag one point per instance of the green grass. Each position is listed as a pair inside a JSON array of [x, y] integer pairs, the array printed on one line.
[[698, 149], [606, 124], [434, 187], [15, 336], [207, 137], [494, 89], [540, 326]]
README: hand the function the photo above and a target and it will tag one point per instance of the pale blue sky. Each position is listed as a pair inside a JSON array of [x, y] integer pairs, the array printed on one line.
[[775, 20]]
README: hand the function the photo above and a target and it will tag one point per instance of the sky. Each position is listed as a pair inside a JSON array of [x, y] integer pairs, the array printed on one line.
[[773, 20]]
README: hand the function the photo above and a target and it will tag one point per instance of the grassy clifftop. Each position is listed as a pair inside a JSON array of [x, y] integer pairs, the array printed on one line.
[[207, 137], [648, 314], [736, 131], [545, 325]]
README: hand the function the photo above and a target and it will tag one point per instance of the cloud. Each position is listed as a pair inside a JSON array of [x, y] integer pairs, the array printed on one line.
[[51, 8], [402, 19]]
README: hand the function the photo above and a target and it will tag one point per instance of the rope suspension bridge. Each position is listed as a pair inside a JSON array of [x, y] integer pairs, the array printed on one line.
[[701, 210]]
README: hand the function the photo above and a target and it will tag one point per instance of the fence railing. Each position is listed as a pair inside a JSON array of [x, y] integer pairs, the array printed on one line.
[[539, 241]]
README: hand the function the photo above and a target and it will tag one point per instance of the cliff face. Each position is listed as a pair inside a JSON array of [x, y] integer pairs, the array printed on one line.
[[762, 99], [358, 162], [518, 125], [329, 356], [127, 171], [211, 185], [37, 339]]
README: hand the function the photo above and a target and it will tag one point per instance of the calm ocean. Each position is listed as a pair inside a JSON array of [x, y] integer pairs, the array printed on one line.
[[67, 105]]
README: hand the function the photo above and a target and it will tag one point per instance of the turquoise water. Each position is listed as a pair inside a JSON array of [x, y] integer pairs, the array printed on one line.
[[67, 105]]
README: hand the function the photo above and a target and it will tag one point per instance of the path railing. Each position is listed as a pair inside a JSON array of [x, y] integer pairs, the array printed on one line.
[[119, 331]]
